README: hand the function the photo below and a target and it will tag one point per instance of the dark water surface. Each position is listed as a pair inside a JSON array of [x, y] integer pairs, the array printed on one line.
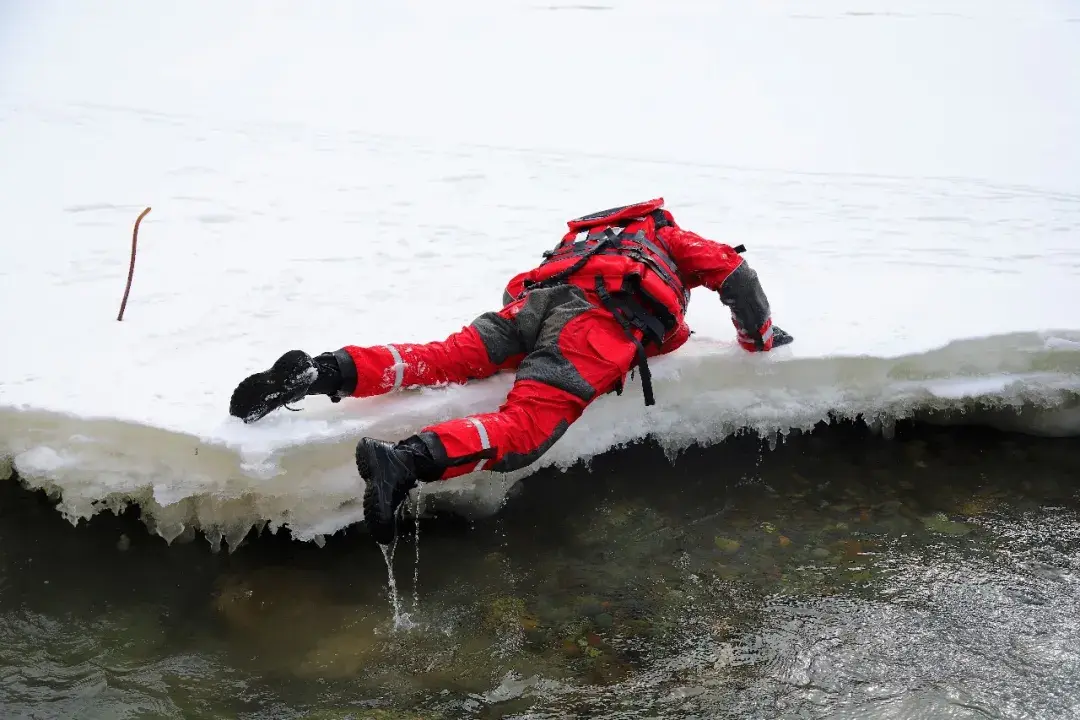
[[935, 575]]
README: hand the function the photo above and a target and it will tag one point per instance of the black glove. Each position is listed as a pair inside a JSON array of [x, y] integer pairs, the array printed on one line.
[[779, 337]]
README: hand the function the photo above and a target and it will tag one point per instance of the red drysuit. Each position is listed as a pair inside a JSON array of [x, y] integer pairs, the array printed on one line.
[[561, 331]]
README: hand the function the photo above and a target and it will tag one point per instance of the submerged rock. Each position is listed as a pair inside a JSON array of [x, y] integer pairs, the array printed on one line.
[[940, 523], [508, 612], [727, 544]]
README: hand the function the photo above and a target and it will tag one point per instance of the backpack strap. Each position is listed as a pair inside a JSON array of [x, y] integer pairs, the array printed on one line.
[[630, 314]]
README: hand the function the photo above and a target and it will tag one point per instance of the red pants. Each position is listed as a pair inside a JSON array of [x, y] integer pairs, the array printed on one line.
[[566, 351]]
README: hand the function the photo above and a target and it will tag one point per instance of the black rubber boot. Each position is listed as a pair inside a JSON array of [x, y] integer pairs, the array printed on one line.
[[390, 471], [292, 377]]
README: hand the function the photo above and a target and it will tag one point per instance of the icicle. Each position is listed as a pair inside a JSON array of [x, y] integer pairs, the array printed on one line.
[[888, 428]]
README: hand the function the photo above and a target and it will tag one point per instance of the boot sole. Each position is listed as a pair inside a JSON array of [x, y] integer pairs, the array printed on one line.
[[262, 393], [249, 394]]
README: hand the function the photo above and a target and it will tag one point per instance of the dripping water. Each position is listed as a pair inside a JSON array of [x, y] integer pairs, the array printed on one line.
[[416, 544], [402, 620]]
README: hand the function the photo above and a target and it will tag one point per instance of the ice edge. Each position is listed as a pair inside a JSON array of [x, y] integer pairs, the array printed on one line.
[[297, 470]]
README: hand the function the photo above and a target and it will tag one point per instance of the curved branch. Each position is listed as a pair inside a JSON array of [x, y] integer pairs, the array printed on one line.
[[131, 265]]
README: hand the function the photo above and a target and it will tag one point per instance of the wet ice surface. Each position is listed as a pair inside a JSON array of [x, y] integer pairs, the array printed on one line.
[[841, 576]]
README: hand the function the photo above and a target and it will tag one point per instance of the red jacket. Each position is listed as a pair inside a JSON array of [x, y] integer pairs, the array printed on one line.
[[666, 262]]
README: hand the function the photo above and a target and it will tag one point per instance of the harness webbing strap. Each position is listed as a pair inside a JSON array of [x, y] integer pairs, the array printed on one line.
[[637, 247], [623, 311], [561, 277]]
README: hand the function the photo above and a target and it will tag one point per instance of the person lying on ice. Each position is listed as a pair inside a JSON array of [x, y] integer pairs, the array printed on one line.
[[611, 294]]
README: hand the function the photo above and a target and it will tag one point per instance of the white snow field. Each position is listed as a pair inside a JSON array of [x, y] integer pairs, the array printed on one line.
[[905, 174]]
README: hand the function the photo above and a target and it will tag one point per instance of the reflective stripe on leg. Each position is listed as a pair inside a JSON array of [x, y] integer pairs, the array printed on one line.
[[399, 367], [387, 368], [485, 442]]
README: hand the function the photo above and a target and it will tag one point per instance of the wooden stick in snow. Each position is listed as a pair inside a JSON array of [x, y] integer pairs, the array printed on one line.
[[131, 265]]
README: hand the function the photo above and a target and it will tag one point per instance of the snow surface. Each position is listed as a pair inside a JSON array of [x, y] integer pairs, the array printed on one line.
[[906, 176]]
